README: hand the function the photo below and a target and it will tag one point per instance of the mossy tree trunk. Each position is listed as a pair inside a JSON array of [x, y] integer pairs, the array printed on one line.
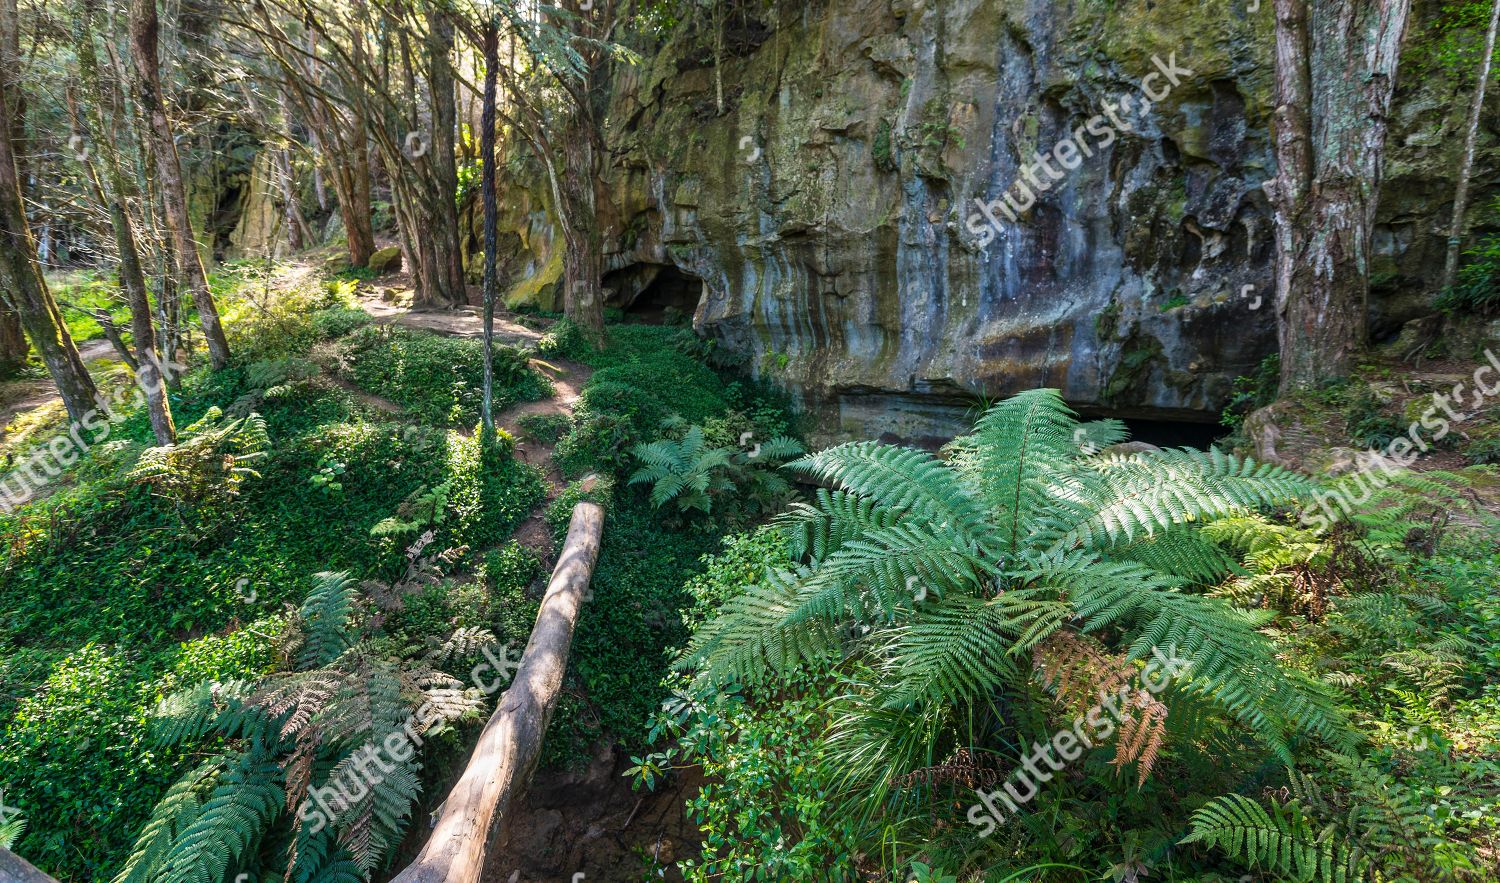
[[1335, 77], [583, 261], [144, 28], [448, 273], [577, 193]]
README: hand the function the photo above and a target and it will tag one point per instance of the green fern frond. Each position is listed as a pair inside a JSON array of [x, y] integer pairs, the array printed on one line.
[[173, 815], [245, 801], [912, 484], [324, 617], [1281, 840]]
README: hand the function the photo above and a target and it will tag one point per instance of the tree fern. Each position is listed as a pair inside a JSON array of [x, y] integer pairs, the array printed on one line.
[[245, 801], [941, 576], [322, 729], [1281, 840]]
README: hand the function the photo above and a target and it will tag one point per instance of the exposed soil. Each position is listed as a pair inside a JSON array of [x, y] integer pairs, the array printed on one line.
[[592, 823], [389, 301]]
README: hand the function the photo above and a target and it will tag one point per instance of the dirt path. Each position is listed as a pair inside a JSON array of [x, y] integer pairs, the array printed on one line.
[[387, 302], [567, 379], [23, 398]]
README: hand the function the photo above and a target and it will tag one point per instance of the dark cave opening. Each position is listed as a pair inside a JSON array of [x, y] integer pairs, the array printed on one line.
[[1175, 433], [664, 294]]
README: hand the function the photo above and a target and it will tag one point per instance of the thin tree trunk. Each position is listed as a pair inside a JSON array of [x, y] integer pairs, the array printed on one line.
[[491, 217], [298, 234], [22, 277], [1471, 141], [13, 346], [144, 27], [1335, 78], [146, 362]]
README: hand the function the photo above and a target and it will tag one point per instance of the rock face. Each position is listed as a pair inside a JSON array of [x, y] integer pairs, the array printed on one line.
[[826, 221], [386, 260]]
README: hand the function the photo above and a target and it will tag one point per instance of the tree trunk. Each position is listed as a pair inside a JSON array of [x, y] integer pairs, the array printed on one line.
[[143, 36], [1335, 77], [583, 262], [473, 821], [1471, 141], [14, 869], [13, 346], [491, 218], [448, 274], [22, 277], [146, 361]]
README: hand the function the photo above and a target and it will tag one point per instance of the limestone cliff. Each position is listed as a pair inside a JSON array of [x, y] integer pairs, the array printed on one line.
[[825, 218]]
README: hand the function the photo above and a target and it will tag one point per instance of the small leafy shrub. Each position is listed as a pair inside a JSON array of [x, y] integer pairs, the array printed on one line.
[[1252, 392], [1370, 422], [336, 322], [509, 574], [545, 428], [757, 753], [436, 379], [560, 510], [1477, 288]]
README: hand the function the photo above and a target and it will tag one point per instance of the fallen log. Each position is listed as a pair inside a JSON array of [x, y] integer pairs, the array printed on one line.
[[475, 817], [14, 869]]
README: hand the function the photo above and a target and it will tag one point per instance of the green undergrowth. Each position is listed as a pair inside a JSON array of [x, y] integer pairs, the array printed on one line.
[[114, 592], [628, 632], [437, 380]]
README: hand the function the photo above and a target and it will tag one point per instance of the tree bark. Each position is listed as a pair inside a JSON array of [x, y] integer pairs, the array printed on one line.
[[14, 869], [22, 277], [474, 821], [447, 276], [146, 361], [1471, 141], [1335, 78], [13, 346], [583, 261], [144, 27], [491, 218]]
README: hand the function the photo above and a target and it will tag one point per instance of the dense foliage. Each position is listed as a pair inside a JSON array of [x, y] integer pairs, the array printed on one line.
[[118, 589]]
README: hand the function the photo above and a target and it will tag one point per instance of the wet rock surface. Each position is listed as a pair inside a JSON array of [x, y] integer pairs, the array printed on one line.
[[828, 208]]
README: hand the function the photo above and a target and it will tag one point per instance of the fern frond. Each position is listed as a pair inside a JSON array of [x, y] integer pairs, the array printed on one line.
[[912, 484], [324, 618], [174, 813], [244, 803], [1281, 840]]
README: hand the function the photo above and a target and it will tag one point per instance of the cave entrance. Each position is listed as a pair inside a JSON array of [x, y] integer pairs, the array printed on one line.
[[1174, 433], [655, 294]]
